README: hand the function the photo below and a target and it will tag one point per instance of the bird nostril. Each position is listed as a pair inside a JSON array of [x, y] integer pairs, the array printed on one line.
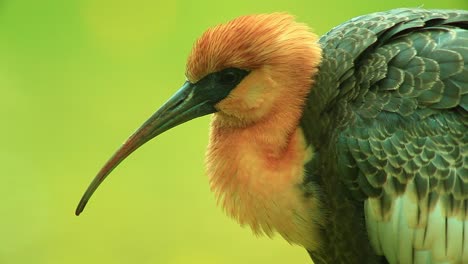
[[178, 103]]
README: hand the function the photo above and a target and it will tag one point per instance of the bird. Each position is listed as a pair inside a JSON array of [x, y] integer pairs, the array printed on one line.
[[352, 145]]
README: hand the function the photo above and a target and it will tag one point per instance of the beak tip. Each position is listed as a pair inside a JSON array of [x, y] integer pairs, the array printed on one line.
[[80, 207]]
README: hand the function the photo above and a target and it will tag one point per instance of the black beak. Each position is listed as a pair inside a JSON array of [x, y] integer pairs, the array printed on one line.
[[191, 101], [188, 103]]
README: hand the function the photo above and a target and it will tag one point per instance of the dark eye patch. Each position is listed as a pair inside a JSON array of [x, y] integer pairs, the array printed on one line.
[[230, 77], [219, 84], [227, 77]]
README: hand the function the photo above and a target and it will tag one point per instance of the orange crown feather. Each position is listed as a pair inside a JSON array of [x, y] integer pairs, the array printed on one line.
[[253, 41]]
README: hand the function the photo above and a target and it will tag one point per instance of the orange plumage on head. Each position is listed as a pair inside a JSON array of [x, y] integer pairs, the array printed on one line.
[[279, 51], [257, 151], [250, 42]]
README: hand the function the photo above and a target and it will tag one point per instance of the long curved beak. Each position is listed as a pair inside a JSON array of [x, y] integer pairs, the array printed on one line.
[[188, 103]]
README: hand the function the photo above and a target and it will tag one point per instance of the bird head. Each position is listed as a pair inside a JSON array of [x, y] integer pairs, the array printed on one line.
[[242, 71]]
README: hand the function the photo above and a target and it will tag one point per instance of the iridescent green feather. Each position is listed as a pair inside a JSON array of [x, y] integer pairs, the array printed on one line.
[[388, 116]]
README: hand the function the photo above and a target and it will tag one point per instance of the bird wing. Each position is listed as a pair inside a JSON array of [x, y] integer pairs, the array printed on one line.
[[399, 116]]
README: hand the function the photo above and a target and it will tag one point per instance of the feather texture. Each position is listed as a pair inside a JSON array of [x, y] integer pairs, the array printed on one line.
[[388, 118]]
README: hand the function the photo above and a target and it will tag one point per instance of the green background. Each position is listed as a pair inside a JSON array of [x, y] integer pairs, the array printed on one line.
[[77, 78]]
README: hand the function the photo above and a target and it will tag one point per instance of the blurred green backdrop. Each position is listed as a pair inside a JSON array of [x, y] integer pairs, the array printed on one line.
[[77, 78]]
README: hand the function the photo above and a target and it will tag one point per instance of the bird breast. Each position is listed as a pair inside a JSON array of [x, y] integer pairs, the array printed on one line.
[[259, 184]]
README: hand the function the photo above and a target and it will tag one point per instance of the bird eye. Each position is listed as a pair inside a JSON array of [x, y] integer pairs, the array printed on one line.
[[227, 77]]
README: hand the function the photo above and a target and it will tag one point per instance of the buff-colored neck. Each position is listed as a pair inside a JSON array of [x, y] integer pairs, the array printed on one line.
[[256, 166], [259, 184]]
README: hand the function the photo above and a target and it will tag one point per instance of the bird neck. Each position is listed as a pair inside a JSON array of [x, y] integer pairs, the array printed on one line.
[[257, 172], [273, 133]]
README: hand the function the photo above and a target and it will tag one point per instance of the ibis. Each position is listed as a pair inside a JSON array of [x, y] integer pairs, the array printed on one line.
[[353, 145]]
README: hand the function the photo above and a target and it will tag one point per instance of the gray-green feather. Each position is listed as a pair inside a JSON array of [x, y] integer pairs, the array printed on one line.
[[389, 108]]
